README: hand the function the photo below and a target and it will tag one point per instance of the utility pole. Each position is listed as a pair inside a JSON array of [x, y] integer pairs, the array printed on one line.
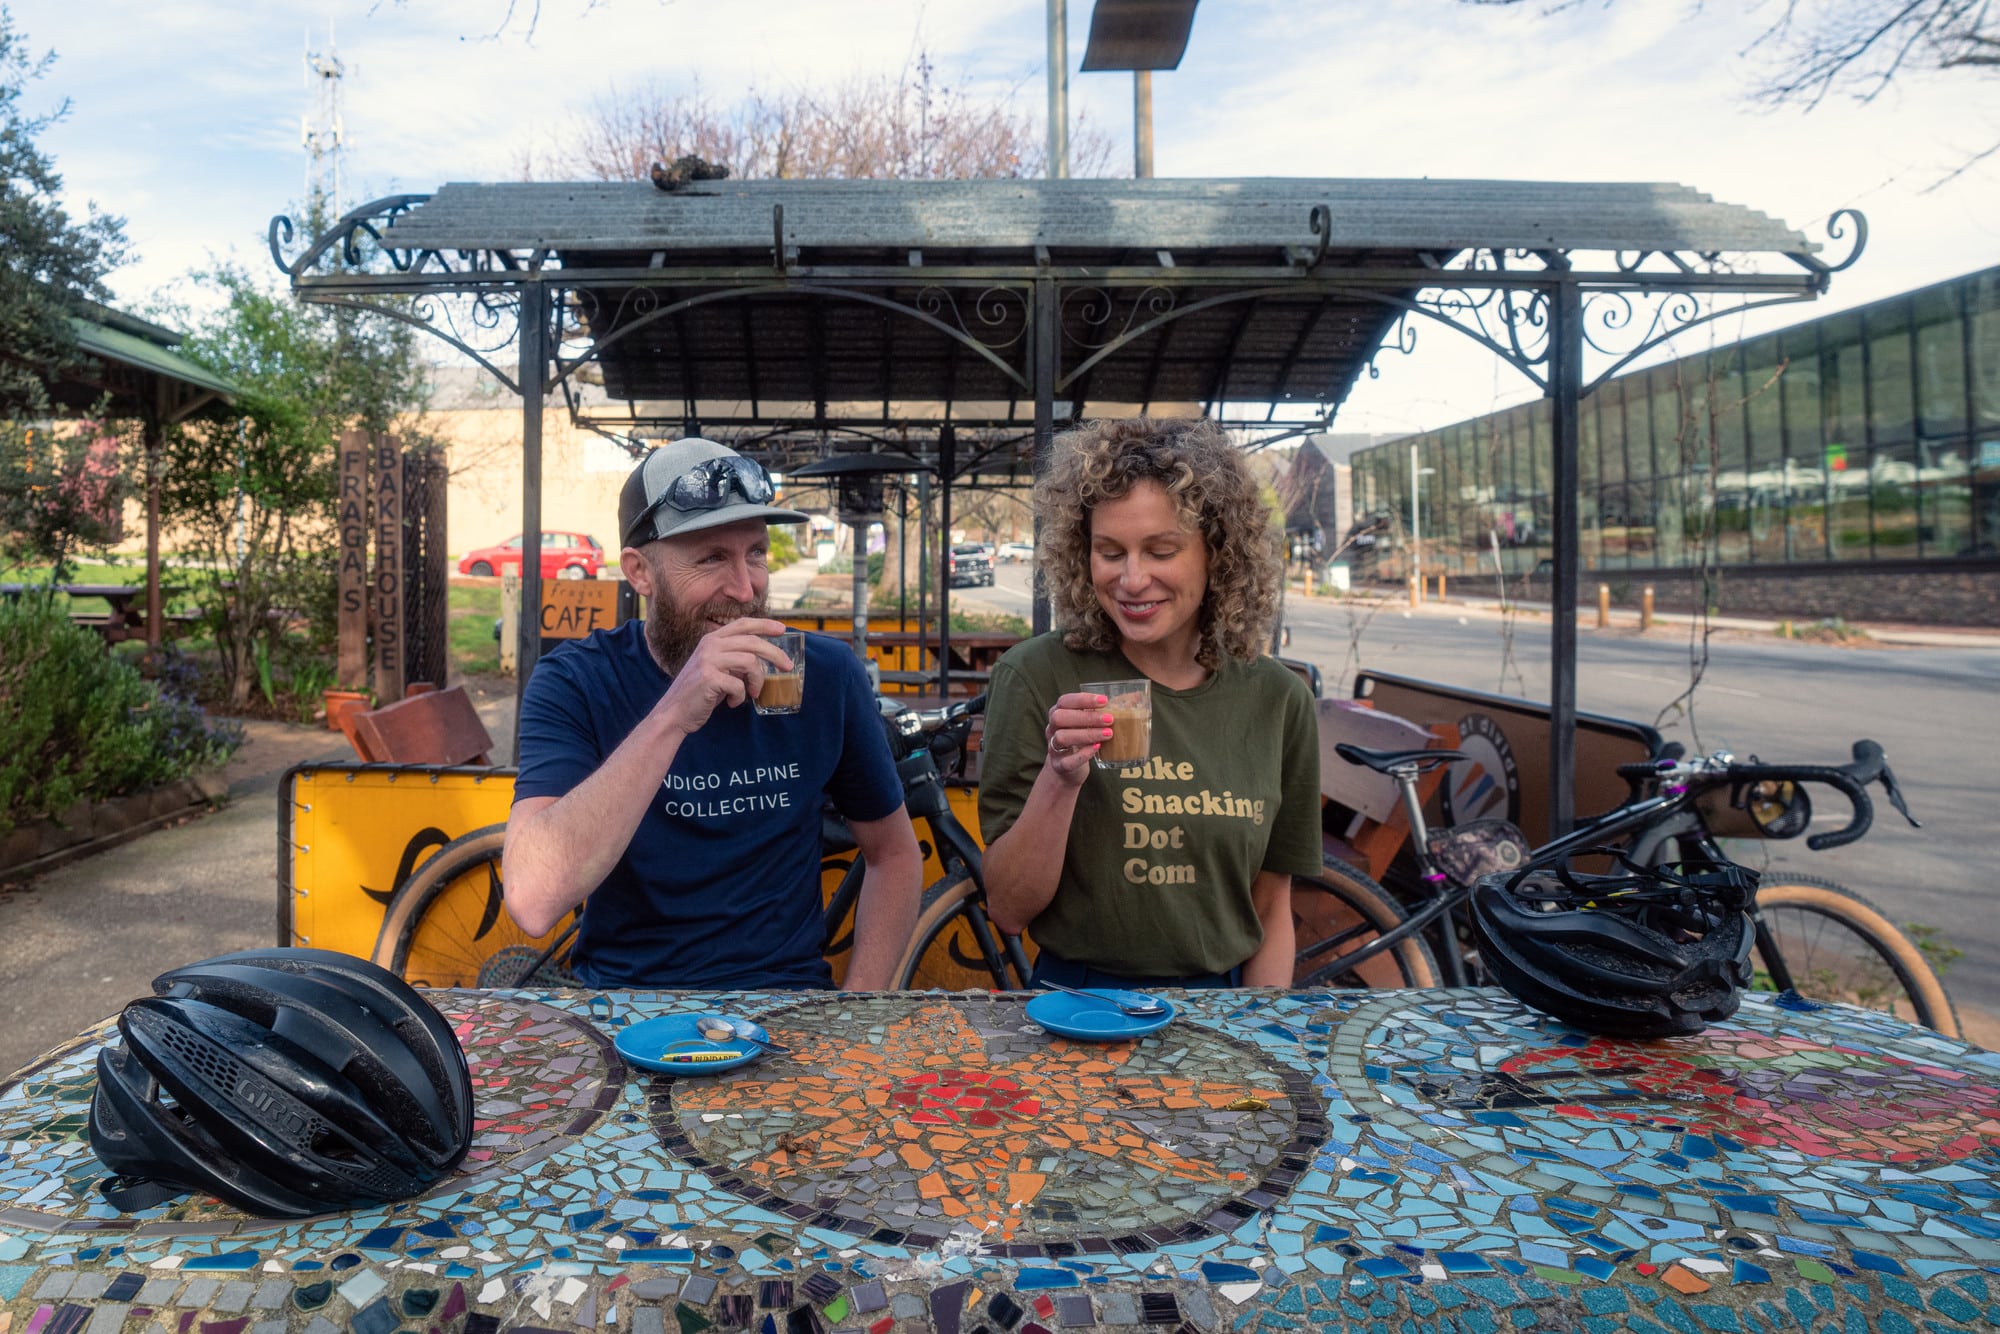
[[1058, 90], [1142, 124]]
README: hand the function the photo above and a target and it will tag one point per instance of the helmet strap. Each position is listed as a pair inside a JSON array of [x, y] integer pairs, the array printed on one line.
[[127, 1194]]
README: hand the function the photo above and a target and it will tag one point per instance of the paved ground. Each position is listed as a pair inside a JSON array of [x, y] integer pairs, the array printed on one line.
[[79, 942]]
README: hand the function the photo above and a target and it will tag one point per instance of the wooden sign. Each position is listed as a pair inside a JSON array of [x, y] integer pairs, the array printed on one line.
[[351, 670], [572, 608], [388, 456]]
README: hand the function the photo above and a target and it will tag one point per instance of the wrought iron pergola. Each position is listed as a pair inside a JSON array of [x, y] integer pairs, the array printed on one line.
[[793, 316]]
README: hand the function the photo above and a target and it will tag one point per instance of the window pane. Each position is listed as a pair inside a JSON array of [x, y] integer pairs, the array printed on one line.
[[1985, 308], [1672, 521], [1805, 461], [1940, 365], [1890, 402], [1724, 400], [1611, 432], [1944, 482], [1763, 386], [1986, 498], [1668, 420], [1639, 529], [1893, 473], [1841, 403], [1612, 521]]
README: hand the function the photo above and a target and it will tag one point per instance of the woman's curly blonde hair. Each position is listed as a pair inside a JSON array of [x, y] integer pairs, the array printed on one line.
[[1209, 482]]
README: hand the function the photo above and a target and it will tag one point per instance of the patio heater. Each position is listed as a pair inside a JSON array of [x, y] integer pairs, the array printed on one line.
[[857, 481]]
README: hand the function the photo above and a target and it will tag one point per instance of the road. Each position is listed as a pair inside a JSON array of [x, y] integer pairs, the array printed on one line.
[[1935, 710]]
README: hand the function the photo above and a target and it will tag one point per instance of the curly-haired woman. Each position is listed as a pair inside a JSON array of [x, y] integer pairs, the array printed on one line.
[[1161, 562]]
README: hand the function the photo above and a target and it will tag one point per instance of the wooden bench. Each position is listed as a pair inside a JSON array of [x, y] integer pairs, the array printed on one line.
[[433, 727], [1364, 823]]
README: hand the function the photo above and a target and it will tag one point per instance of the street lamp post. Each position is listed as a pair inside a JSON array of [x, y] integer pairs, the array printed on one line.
[[1416, 531]]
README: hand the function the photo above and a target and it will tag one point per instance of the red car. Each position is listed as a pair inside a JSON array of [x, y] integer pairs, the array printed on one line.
[[564, 556]]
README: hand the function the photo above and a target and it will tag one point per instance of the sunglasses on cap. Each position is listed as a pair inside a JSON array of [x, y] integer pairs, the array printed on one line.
[[707, 486]]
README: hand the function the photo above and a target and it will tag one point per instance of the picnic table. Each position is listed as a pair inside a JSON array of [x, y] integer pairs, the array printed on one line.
[[126, 618], [1269, 1161]]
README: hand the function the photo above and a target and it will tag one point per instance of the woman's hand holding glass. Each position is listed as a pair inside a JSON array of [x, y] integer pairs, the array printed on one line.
[[1077, 726]]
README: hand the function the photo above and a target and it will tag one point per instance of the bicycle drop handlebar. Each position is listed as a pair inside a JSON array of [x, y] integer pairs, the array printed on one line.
[[1870, 765]]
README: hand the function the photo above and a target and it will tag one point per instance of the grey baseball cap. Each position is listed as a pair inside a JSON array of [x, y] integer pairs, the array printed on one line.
[[687, 485]]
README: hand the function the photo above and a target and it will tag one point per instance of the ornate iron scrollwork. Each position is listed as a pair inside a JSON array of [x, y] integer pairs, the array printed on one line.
[[1096, 310], [994, 308]]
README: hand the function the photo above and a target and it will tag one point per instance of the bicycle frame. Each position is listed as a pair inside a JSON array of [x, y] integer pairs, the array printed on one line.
[[1608, 827], [925, 799]]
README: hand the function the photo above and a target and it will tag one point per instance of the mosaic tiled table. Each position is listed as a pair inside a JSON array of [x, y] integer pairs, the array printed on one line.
[[1399, 1161]]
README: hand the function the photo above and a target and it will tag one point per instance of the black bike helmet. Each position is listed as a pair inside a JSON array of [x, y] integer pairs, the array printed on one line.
[[1658, 952], [286, 1082]]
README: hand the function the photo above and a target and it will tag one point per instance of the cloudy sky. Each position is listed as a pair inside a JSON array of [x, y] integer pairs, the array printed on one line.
[[186, 117]]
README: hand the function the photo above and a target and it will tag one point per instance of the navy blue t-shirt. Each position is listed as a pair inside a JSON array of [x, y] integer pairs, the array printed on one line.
[[719, 887]]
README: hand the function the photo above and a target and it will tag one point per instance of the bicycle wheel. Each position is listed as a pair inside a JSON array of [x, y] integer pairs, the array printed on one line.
[[1341, 912], [833, 869], [1839, 947], [943, 953], [447, 921]]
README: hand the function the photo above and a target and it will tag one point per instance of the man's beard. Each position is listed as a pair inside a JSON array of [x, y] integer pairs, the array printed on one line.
[[672, 633]]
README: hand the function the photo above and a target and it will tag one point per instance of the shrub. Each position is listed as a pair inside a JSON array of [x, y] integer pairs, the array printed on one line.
[[78, 723]]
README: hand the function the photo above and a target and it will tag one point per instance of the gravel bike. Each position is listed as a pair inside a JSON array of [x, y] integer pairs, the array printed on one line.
[[954, 945], [1813, 937]]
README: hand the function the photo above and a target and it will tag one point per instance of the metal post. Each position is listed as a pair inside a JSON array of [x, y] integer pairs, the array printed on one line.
[[155, 429], [1045, 317], [923, 555], [1604, 606], [1142, 123], [1058, 90], [947, 465], [1416, 530], [1565, 387], [858, 594], [534, 359]]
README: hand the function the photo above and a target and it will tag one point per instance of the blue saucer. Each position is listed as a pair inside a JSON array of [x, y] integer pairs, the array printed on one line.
[[654, 1044], [1077, 1017]]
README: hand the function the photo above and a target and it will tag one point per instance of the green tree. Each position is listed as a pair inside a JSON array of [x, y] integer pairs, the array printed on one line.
[[59, 491], [50, 258], [254, 495]]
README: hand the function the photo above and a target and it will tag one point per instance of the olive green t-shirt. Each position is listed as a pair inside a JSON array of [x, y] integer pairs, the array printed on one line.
[[1157, 874]]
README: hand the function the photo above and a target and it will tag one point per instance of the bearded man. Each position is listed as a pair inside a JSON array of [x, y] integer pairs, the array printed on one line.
[[685, 823]]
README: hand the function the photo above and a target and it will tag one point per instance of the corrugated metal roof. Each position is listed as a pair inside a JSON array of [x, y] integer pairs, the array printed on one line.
[[1187, 217], [144, 354]]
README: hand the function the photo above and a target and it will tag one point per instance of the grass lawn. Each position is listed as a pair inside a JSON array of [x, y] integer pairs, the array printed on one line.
[[473, 609]]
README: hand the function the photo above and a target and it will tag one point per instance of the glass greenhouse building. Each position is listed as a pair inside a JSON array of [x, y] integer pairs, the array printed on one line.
[[1862, 438]]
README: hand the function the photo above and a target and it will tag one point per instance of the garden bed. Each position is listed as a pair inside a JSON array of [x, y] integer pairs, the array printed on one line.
[[92, 826]]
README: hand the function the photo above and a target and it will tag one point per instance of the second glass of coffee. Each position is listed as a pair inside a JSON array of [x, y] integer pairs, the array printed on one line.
[[785, 692], [1130, 704]]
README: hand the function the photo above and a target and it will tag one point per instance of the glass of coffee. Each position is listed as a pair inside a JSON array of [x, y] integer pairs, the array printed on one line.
[[1130, 704], [785, 692]]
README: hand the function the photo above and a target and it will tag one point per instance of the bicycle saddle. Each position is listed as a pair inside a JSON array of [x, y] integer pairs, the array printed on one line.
[[1381, 761]]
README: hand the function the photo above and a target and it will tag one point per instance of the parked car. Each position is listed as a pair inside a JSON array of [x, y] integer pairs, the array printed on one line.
[[971, 565], [1013, 553], [564, 556]]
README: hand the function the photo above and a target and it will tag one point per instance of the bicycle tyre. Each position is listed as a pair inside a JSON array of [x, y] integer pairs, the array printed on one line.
[[942, 954], [1355, 910], [447, 921], [1800, 911]]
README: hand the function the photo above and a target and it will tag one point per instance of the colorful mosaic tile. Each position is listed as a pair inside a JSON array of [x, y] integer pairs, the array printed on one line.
[[1271, 1161]]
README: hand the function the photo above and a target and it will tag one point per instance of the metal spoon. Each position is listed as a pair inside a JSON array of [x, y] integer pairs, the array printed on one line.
[[717, 1029], [1146, 1010]]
